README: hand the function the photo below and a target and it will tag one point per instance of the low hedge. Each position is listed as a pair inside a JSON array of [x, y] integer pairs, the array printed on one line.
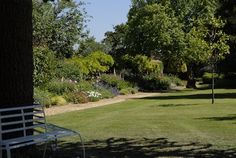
[[115, 81]]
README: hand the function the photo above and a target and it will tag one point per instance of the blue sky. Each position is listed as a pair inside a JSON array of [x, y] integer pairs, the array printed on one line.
[[106, 14]]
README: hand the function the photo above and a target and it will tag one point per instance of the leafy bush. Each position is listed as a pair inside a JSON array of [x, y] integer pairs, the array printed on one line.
[[124, 91], [71, 69], [105, 94], [128, 90], [115, 81], [175, 80], [146, 65], [78, 68], [44, 65], [77, 97], [58, 100], [42, 97], [164, 82], [98, 62], [106, 88], [207, 77], [61, 87], [159, 83], [85, 86], [142, 65]]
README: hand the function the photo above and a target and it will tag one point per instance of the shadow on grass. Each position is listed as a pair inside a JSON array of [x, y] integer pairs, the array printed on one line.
[[150, 148], [173, 105], [140, 148], [195, 96], [223, 118]]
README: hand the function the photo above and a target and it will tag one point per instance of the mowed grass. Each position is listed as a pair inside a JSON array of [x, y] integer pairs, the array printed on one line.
[[181, 123]]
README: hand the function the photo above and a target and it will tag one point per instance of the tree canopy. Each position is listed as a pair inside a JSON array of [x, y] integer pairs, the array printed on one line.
[[60, 25], [180, 33]]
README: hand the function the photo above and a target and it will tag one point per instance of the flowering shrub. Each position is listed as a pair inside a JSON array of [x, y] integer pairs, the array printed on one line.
[[76, 97], [94, 96]]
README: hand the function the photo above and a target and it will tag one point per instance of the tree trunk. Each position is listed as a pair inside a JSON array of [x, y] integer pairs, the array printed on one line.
[[114, 71], [16, 61], [191, 82]]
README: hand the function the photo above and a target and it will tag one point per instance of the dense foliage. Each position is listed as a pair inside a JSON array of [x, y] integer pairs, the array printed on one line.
[[182, 34], [44, 65], [59, 25], [162, 41]]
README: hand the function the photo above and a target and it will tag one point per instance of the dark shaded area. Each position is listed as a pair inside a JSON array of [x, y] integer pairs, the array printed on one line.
[[195, 96], [141, 148], [64, 150], [130, 148], [175, 105], [224, 118], [16, 58], [151, 148]]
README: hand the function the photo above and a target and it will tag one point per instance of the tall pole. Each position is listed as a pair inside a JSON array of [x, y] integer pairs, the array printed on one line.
[[213, 84]]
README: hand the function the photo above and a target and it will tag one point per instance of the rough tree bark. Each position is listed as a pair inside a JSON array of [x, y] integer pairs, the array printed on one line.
[[191, 82], [16, 61]]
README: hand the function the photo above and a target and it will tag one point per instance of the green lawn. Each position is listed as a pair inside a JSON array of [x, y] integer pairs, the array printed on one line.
[[183, 124]]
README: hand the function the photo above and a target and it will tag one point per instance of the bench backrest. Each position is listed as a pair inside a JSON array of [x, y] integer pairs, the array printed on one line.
[[22, 122]]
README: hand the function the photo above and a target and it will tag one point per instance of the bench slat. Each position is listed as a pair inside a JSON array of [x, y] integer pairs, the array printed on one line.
[[26, 121], [22, 128], [26, 139], [20, 114], [35, 106]]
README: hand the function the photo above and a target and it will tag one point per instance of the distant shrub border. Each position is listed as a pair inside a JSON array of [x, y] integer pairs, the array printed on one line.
[[165, 82], [115, 81]]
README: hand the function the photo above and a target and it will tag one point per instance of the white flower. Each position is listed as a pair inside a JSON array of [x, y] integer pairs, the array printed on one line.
[[93, 94]]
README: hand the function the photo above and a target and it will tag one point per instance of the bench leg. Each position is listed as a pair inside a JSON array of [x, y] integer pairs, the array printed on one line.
[[82, 142], [45, 149], [8, 152], [1, 151]]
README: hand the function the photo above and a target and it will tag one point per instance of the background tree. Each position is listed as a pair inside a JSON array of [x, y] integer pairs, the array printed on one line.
[[115, 41], [60, 25], [174, 32], [89, 45], [44, 65]]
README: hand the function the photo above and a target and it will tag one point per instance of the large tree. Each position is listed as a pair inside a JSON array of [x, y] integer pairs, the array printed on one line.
[[89, 45], [116, 41], [59, 25], [178, 32]]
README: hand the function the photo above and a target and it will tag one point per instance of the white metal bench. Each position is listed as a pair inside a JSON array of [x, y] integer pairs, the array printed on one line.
[[29, 123]]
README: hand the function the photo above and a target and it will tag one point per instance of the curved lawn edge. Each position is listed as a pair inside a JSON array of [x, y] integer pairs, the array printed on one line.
[[75, 107]]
